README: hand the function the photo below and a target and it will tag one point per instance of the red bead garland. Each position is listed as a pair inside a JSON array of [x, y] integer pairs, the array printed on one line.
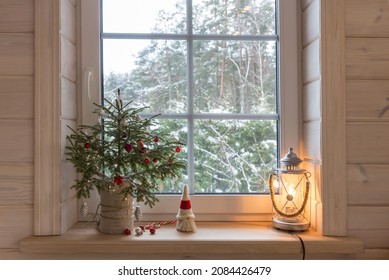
[[152, 227]]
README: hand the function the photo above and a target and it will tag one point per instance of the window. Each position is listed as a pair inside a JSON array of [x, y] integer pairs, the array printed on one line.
[[217, 71]]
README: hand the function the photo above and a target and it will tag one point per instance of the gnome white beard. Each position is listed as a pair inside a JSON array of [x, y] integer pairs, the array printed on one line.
[[185, 221]]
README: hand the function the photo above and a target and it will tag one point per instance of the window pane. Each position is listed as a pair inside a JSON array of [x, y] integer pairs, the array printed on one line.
[[177, 129], [150, 73], [147, 16], [233, 156], [243, 17], [235, 76]]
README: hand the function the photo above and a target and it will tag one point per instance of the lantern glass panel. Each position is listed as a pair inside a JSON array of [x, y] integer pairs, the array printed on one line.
[[290, 188]]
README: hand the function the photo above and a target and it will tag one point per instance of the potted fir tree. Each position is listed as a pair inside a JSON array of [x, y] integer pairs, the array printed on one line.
[[124, 159]]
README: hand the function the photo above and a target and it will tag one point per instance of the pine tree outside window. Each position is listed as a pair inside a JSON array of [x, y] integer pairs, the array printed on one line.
[[213, 70]]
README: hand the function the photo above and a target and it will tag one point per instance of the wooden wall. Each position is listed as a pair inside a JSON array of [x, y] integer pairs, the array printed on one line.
[[17, 74], [365, 44], [68, 91], [367, 72], [311, 105], [16, 120]]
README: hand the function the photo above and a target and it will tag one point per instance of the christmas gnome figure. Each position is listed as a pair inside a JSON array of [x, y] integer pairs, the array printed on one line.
[[185, 216]]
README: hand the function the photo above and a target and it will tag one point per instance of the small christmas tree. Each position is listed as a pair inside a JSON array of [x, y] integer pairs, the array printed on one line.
[[123, 151]]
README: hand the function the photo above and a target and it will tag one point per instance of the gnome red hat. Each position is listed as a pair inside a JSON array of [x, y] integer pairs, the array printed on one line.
[[185, 216]]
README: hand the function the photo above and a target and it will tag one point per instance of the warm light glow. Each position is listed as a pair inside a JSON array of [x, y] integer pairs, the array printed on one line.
[[276, 186], [291, 190]]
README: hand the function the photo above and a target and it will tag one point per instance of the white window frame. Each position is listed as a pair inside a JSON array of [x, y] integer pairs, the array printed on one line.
[[206, 207]]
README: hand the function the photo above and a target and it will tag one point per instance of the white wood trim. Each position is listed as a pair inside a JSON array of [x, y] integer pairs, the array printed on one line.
[[47, 148], [289, 76], [334, 185]]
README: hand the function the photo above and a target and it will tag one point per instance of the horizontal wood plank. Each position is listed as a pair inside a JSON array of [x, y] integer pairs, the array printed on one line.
[[16, 16], [367, 184], [311, 23], [367, 58], [368, 218], [65, 130], [74, 2], [16, 183], [16, 141], [368, 142], [16, 94], [374, 254], [368, 99], [312, 142], [367, 18], [68, 20], [68, 99], [372, 238], [69, 213], [311, 62], [312, 101], [15, 224], [68, 180], [306, 3], [16, 54], [68, 60]]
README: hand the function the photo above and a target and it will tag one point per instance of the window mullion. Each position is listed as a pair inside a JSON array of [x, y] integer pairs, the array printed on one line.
[[190, 82]]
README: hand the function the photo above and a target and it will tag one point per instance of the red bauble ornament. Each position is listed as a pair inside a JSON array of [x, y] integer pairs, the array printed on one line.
[[155, 160], [118, 180], [127, 231], [128, 147], [156, 139], [146, 160], [152, 230], [87, 145], [178, 149]]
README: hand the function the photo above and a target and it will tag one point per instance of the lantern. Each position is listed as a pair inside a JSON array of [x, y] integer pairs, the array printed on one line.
[[289, 190]]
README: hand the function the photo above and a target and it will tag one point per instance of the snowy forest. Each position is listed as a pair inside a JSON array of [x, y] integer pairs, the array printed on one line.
[[228, 97]]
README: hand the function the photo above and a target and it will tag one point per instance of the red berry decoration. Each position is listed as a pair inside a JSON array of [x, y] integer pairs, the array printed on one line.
[[87, 145], [146, 160], [156, 139], [178, 149], [155, 160], [127, 231], [152, 230]]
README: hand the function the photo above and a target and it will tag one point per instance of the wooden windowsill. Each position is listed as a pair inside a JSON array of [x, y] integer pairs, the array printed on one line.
[[212, 240]]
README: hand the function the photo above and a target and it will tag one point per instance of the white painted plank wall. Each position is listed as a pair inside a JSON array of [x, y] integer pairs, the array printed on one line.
[[16, 121], [68, 37], [311, 104], [367, 31], [17, 116]]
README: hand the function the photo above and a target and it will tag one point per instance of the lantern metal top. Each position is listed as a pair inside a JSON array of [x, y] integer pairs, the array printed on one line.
[[291, 162]]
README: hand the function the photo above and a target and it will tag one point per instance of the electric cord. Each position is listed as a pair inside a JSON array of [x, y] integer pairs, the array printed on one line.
[[302, 243]]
